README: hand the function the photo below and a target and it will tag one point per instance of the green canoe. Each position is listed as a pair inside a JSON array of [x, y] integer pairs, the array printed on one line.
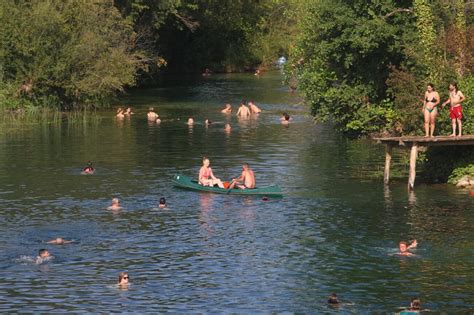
[[185, 182]]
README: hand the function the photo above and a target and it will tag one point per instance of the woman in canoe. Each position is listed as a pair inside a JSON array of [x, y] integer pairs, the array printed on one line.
[[206, 177]]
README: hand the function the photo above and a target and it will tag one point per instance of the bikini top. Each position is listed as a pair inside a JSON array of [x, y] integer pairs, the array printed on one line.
[[432, 100]]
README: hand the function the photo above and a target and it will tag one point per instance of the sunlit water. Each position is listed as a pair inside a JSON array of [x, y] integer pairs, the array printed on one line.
[[335, 230]]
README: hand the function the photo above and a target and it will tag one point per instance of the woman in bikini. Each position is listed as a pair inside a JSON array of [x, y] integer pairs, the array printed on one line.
[[206, 177], [429, 109]]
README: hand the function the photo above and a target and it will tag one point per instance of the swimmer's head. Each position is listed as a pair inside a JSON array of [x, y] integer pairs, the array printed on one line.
[[333, 299], [243, 102], [402, 246], [43, 253], [207, 122], [123, 278], [162, 203], [116, 201], [59, 240], [245, 166], [228, 106], [227, 127], [150, 109], [190, 121], [286, 116]]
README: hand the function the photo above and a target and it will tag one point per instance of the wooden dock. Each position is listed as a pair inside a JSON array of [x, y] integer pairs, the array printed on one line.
[[414, 144]]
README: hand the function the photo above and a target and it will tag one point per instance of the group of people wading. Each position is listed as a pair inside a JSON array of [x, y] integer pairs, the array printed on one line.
[[430, 108]]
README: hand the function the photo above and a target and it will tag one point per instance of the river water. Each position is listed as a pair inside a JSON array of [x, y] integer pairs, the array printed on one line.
[[335, 230]]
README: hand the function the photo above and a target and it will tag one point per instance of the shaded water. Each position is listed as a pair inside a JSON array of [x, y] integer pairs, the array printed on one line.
[[336, 229]]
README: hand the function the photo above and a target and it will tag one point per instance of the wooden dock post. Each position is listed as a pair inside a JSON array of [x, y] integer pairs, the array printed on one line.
[[415, 143], [412, 174], [388, 159]]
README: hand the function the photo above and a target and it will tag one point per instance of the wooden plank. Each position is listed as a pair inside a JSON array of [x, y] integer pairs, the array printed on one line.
[[388, 159], [412, 174]]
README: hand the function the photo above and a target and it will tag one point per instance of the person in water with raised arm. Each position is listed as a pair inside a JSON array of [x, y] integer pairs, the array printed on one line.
[[403, 248], [455, 112], [227, 109], [206, 177], [254, 108], [245, 181], [243, 111], [430, 110]]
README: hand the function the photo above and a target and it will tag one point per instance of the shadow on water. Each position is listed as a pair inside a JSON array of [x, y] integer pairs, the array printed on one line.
[[336, 229]]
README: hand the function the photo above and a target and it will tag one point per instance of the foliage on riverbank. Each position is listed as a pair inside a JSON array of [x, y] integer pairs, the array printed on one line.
[[366, 65], [64, 54], [77, 54]]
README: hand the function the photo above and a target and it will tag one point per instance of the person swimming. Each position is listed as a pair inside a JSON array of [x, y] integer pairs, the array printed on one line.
[[123, 279], [120, 114], [285, 118], [128, 112], [227, 128], [43, 256], [58, 241], [403, 248], [227, 109], [151, 115], [207, 122], [243, 111], [88, 170], [190, 121], [162, 203], [254, 108], [115, 204], [333, 300]]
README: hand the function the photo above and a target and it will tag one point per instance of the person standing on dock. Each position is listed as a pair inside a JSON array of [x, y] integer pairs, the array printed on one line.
[[430, 111], [455, 112]]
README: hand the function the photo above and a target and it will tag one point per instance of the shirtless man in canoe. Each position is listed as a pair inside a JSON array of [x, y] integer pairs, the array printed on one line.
[[244, 181]]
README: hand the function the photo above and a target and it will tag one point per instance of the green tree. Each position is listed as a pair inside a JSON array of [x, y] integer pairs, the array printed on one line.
[[65, 53]]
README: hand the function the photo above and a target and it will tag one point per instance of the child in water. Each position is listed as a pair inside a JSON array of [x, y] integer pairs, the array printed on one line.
[[403, 248]]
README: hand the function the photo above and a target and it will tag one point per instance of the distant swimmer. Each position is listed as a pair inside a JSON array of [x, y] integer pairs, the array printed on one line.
[[333, 300], [151, 115], [115, 205], [88, 170], [128, 111], [285, 118], [227, 109], [123, 279], [243, 111], [43, 256], [190, 121], [207, 122], [403, 248], [120, 114], [158, 120], [227, 128], [162, 203], [206, 176], [58, 241], [254, 108], [246, 180]]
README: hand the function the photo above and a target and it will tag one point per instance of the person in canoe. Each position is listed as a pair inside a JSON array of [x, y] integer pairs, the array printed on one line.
[[245, 181], [206, 177]]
